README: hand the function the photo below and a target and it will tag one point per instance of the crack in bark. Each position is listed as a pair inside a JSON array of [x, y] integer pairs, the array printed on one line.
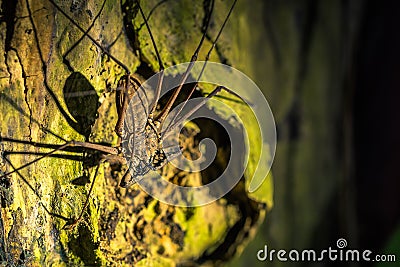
[[24, 77], [26, 99], [44, 70], [8, 71]]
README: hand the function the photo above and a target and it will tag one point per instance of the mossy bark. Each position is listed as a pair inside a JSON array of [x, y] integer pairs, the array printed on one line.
[[46, 59]]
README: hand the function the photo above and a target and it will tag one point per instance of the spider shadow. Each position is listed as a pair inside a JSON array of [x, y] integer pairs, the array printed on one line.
[[79, 95], [82, 102]]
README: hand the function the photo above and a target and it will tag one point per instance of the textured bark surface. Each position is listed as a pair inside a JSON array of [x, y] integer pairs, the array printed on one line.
[[45, 59]]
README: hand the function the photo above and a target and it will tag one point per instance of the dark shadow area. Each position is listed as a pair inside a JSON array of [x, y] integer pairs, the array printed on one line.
[[377, 127], [82, 102], [362, 203], [84, 246]]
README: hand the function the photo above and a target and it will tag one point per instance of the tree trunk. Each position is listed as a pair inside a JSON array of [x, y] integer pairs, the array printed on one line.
[[46, 60]]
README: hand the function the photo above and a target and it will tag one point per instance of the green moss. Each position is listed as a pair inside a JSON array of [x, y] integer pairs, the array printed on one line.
[[150, 213], [156, 261], [206, 228]]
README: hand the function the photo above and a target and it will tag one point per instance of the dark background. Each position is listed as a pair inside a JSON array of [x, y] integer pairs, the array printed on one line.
[[376, 124], [347, 186]]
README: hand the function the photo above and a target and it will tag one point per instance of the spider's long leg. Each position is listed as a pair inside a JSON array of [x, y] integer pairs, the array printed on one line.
[[122, 101], [174, 124], [164, 113], [14, 105], [103, 50], [205, 61], [74, 222], [70, 223], [123, 107], [160, 63], [44, 66], [126, 88], [154, 8], [87, 145], [36, 193], [81, 38]]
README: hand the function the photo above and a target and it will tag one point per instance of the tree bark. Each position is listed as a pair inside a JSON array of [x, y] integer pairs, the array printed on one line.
[[46, 59]]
